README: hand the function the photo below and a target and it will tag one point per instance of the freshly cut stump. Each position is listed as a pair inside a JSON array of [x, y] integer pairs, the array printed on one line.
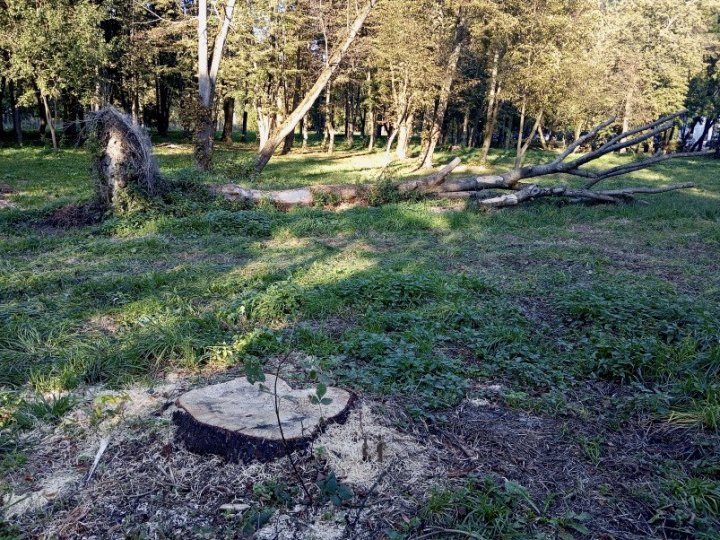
[[237, 419]]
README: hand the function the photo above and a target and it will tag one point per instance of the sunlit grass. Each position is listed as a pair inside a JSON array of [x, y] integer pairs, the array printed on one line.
[[417, 301]]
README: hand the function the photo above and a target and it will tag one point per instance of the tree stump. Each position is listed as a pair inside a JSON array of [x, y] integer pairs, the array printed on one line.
[[238, 420], [123, 163]]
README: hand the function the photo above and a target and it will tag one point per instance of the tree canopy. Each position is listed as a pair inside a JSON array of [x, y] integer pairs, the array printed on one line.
[[471, 72]]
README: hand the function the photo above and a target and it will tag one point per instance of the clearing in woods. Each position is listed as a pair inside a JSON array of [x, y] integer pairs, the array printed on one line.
[[543, 370]]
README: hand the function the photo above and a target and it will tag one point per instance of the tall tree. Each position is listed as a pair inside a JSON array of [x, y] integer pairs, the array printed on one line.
[[208, 68], [321, 82]]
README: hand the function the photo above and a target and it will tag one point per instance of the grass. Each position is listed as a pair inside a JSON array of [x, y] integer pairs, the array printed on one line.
[[416, 301]]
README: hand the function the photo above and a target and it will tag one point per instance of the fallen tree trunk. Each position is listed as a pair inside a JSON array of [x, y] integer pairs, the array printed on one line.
[[475, 188], [334, 194]]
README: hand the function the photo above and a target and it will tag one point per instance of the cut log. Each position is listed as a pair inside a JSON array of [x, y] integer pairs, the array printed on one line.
[[239, 420]]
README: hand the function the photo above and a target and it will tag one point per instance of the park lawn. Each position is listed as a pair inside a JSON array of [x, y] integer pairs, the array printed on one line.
[[562, 360]]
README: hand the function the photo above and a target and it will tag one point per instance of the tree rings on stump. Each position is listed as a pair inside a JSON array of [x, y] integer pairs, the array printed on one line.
[[238, 420]]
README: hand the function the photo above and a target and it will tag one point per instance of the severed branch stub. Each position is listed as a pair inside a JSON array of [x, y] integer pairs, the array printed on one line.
[[238, 420]]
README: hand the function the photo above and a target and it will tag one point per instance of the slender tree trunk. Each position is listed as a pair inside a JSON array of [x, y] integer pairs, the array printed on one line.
[[17, 126], [228, 115], [135, 103], [492, 108], [162, 99], [698, 145], [243, 136], [465, 136], [51, 123], [521, 129], [288, 143], [404, 134], [371, 121], [507, 131], [437, 125], [305, 130], [208, 67], [689, 132], [329, 122], [322, 81], [522, 150], [350, 124], [543, 142], [2, 110], [41, 111], [391, 139], [626, 115], [290, 137]]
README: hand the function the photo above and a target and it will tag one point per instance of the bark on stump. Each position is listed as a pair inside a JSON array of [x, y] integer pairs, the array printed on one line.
[[239, 420], [123, 162]]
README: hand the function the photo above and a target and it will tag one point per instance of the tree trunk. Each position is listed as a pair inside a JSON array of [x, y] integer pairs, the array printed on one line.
[[288, 126], [404, 134], [689, 132], [350, 130], [208, 67], [41, 111], [288, 143], [626, 115], [243, 136], [698, 145], [162, 105], [17, 126], [521, 131], [541, 133], [290, 137], [522, 150], [329, 122], [578, 131], [51, 123], [2, 110], [507, 131], [439, 120], [265, 125], [305, 130], [228, 115], [391, 139], [492, 108], [371, 121], [465, 134]]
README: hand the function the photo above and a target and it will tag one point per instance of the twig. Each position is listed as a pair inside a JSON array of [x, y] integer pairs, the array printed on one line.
[[103, 446], [288, 453]]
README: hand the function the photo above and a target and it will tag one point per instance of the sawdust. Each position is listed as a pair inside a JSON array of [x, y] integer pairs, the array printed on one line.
[[362, 448], [52, 488]]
